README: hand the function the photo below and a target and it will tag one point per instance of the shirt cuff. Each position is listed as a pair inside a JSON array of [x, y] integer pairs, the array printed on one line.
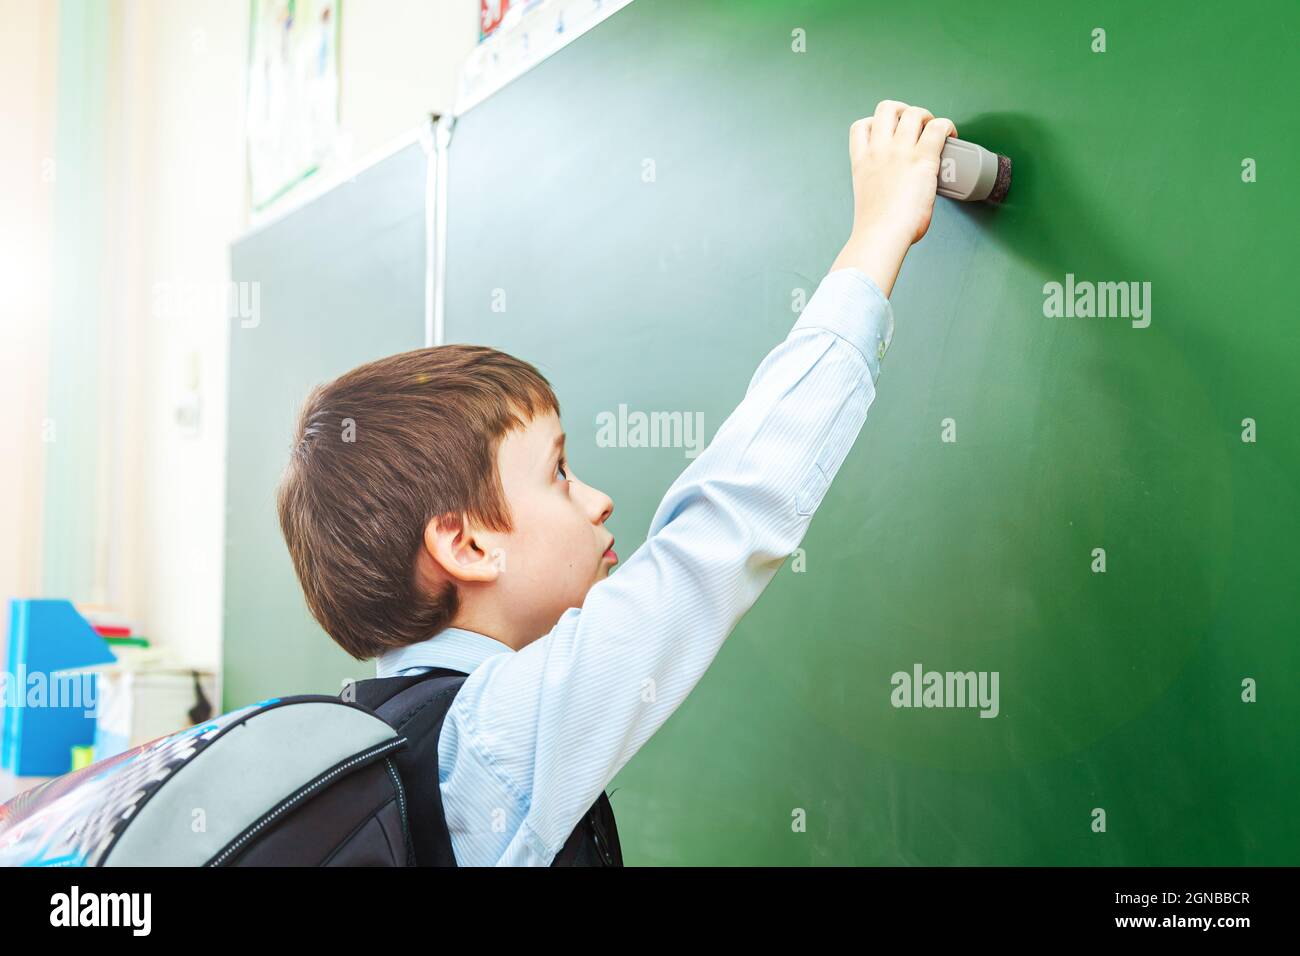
[[849, 304]]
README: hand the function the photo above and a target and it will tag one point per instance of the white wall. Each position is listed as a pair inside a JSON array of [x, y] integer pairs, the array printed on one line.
[[400, 62], [178, 190], [28, 68]]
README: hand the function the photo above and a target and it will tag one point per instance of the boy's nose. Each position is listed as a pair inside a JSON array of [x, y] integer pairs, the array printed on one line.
[[605, 504], [600, 505]]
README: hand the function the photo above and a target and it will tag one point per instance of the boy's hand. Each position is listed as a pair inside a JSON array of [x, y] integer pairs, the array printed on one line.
[[894, 156]]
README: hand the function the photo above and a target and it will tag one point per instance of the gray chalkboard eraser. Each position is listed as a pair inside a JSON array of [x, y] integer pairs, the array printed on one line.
[[972, 173]]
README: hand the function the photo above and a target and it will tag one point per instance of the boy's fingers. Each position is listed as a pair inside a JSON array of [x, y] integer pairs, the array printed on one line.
[[910, 123], [886, 118], [935, 133], [859, 137]]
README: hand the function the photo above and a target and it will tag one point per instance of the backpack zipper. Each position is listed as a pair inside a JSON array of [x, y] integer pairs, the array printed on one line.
[[301, 795]]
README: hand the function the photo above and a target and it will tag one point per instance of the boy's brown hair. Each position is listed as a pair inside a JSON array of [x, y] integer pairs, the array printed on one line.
[[377, 454]]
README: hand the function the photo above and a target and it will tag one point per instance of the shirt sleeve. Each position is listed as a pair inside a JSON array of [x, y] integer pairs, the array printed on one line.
[[549, 726]]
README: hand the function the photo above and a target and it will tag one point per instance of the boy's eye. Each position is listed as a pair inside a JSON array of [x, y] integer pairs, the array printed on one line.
[[561, 468]]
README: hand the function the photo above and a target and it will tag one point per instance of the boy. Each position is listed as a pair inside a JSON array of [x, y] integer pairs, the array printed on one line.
[[451, 532]]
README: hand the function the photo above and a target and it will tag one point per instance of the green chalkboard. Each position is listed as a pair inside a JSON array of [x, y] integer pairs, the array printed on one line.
[[337, 282], [640, 215]]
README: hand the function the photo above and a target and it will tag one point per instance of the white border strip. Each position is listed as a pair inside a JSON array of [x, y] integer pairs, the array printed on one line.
[[318, 184], [435, 205], [431, 246], [523, 41]]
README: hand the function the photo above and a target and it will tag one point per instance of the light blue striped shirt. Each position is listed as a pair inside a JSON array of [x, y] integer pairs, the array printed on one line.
[[535, 735]]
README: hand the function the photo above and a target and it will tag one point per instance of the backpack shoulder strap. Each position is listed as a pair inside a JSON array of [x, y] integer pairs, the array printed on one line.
[[416, 707], [376, 692]]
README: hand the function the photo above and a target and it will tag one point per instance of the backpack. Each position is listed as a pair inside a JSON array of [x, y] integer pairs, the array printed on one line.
[[307, 780]]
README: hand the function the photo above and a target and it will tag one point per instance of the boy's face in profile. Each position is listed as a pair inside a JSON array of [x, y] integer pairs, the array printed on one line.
[[516, 586]]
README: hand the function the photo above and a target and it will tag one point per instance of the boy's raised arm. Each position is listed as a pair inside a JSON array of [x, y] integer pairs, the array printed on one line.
[[553, 723]]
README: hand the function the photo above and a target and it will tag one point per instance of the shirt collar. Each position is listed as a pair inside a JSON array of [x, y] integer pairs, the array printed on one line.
[[454, 648]]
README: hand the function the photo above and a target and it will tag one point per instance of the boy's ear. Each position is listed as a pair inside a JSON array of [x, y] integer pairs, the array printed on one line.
[[461, 552]]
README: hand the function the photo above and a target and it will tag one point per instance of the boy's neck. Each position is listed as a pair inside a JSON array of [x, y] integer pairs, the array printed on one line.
[[496, 629]]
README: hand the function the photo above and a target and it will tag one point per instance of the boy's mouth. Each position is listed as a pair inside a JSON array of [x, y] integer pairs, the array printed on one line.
[[609, 552]]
